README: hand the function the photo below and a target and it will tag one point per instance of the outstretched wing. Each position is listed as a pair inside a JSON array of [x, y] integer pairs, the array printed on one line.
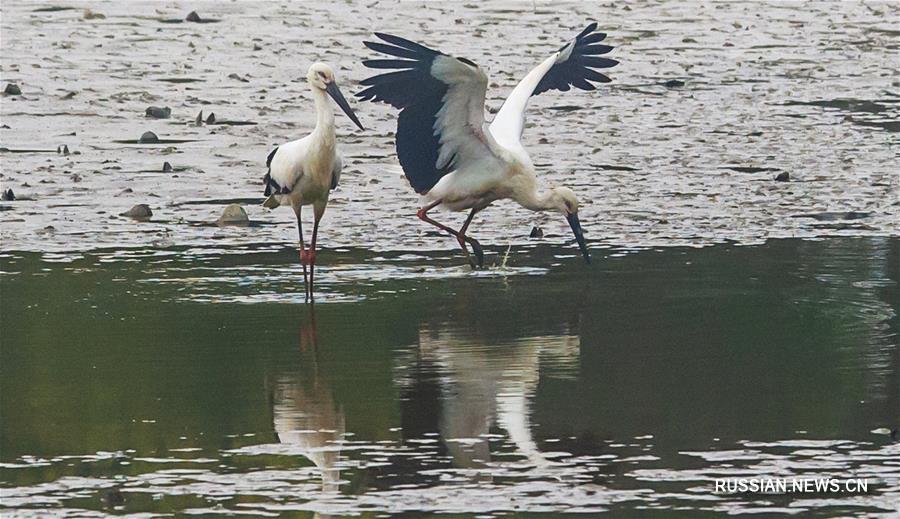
[[441, 102], [573, 65]]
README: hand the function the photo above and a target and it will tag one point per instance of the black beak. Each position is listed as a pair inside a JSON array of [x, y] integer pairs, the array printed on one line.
[[579, 236], [338, 97]]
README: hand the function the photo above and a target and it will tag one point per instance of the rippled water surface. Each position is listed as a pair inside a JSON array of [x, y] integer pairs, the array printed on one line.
[[729, 326], [167, 380]]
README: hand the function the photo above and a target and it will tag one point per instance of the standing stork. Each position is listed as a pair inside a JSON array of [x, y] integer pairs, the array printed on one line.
[[304, 171], [447, 151]]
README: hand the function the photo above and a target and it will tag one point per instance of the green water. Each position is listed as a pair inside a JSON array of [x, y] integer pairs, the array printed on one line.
[[603, 387]]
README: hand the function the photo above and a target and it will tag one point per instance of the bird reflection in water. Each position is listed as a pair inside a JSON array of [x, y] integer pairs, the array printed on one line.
[[482, 385], [305, 414]]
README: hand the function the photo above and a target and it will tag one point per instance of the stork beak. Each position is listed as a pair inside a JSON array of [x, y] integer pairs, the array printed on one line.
[[338, 97], [579, 236]]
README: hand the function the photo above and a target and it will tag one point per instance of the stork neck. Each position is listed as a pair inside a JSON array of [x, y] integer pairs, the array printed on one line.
[[532, 200], [324, 113]]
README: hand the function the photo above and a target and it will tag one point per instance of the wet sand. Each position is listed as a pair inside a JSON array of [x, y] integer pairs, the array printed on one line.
[[804, 89]]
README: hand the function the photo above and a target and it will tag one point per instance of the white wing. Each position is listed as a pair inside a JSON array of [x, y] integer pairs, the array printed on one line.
[[460, 121], [286, 166], [441, 125], [572, 65]]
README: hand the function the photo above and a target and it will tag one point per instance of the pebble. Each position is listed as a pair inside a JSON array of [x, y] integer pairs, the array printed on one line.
[[673, 83], [784, 176], [139, 212], [167, 168], [8, 195], [536, 232], [159, 112], [193, 17], [211, 119], [12, 89], [234, 214], [199, 121], [91, 15], [148, 137]]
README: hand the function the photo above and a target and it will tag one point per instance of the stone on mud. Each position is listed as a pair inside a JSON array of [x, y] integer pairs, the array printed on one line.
[[148, 137], [234, 214], [138, 212]]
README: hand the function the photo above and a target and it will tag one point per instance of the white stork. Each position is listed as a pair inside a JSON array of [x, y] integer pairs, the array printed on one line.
[[449, 154], [304, 171]]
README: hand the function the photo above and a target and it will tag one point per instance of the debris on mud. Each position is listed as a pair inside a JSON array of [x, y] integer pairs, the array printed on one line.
[[159, 112]]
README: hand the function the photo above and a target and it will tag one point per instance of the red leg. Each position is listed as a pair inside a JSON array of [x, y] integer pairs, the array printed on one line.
[[423, 215], [302, 253], [462, 238]]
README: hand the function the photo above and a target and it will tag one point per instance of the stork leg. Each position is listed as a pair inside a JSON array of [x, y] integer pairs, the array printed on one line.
[[302, 254], [462, 238], [311, 255], [423, 215]]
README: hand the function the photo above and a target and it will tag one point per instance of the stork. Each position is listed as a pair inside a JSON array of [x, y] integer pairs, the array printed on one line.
[[449, 154], [304, 171]]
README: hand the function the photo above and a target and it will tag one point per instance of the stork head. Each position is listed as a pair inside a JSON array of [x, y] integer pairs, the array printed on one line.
[[321, 77], [565, 200]]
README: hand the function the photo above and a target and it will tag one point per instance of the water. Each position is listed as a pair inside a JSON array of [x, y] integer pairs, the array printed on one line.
[[163, 380], [730, 325]]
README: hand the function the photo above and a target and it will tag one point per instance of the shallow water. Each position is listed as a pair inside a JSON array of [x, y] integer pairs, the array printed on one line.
[[627, 386], [729, 326]]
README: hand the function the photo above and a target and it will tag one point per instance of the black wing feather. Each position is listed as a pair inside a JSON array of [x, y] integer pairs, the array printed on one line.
[[390, 50], [270, 157], [389, 63], [419, 96], [272, 187], [406, 44], [579, 69]]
